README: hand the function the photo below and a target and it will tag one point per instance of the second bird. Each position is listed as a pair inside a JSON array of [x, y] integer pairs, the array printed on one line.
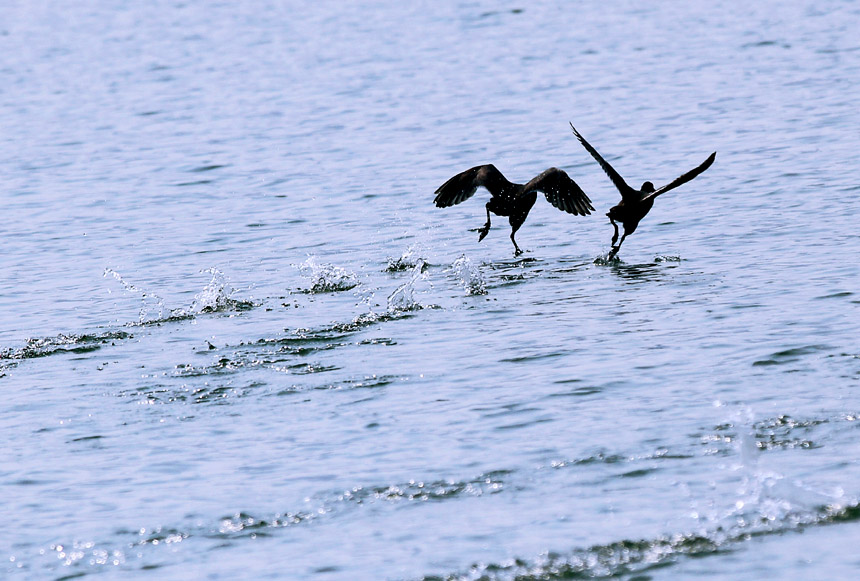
[[635, 204], [513, 200]]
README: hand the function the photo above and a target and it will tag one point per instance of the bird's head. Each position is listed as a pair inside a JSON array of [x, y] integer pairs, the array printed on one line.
[[647, 188]]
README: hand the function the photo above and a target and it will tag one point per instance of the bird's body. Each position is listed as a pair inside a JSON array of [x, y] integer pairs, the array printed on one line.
[[512, 200], [630, 214], [635, 204]]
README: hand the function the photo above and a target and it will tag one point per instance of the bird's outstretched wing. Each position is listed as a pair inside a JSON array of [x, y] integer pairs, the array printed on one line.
[[683, 179], [626, 191], [561, 191], [462, 186]]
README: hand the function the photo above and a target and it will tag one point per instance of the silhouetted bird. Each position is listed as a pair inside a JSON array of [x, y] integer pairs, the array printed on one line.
[[635, 204], [514, 200]]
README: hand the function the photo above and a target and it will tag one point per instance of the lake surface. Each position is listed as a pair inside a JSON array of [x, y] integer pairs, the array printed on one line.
[[237, 339]]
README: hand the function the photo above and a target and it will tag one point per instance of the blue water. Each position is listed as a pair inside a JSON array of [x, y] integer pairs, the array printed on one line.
[[237, 340]]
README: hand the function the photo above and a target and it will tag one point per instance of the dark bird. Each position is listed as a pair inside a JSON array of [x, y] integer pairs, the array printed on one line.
[[635, 204], [514, 200]]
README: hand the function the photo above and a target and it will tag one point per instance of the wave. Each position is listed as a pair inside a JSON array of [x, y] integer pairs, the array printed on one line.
[[284, 354], [636, 556], [95, 555], [216, 297], [62, 343], [767, 505]]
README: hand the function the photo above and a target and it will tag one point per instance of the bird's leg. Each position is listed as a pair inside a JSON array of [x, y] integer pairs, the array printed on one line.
[[516, 221], [614, 236], [615, 249], [517, 250], [486, 227]]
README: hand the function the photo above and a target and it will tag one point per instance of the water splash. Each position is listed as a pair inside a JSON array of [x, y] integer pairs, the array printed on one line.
[[469, 276], [403, 297], [667, 258], [145, 297], [46, 346], [326, 278], [766, 499], [216, 296], [604, 260], [280, 353], [407, 261]]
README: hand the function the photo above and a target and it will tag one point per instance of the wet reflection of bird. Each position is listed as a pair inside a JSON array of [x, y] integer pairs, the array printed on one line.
[[635, 204], [514, 200]]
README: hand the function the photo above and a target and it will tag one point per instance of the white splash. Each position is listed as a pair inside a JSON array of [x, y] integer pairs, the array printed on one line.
[[215, 296], [145, 297], [766, 499], [469, 276], [326, 278], [604, 260], [403, 297], [408, 260]]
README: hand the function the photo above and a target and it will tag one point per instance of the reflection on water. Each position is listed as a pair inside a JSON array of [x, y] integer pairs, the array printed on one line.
[[640, 272]]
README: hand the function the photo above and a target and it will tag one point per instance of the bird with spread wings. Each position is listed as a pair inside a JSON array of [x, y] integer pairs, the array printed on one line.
[[513, 200], [635, 204]]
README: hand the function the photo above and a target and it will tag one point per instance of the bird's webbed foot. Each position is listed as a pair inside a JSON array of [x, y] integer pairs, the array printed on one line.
[[483, 231]]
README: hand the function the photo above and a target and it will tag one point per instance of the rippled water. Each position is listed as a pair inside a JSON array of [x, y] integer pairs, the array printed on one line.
[[237, 340]]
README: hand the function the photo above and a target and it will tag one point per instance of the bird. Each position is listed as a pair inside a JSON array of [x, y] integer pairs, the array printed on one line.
[[635, 204], [513, 200]]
